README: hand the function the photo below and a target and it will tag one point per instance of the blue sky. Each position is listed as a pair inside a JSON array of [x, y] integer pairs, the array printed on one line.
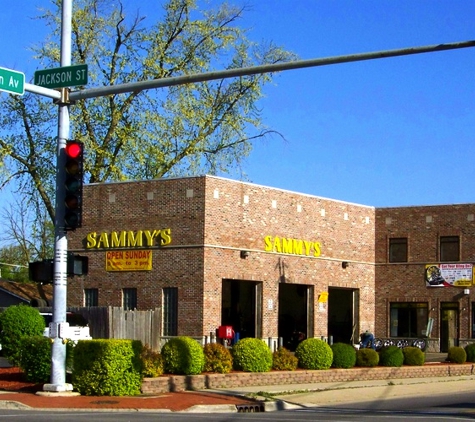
[[389, 132]]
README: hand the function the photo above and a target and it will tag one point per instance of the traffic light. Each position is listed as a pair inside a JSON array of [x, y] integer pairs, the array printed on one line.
[[41, 271], [77, 264], [73, 184]]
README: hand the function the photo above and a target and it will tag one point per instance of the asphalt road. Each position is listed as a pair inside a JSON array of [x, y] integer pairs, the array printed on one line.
[[451, 403]]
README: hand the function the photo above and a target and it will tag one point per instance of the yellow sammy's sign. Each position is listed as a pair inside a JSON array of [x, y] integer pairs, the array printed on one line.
[[128, 239], [292, 246]]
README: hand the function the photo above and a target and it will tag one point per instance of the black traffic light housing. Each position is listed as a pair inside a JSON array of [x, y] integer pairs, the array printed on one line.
[[42, 271], [77, 264], [73, 184]]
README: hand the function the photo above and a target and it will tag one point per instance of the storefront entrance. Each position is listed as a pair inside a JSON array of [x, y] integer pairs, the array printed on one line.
[[343, 325], [240, 310], [449, 322], [294, 302]]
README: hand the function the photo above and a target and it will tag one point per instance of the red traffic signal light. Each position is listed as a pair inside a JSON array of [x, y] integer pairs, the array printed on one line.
[[73, 184], [74, 149]]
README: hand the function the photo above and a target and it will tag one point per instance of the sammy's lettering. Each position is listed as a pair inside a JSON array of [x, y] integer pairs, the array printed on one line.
[[128, 239], [292, 246]]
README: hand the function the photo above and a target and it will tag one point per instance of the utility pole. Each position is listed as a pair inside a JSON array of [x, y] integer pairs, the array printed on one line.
[[64, 98], [60, 278]]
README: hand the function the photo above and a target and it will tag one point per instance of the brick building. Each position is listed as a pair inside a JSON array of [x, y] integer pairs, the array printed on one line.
[[424, 260], [269, 263]]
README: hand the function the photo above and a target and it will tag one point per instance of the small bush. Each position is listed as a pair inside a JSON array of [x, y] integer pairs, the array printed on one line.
[[344, 355], [152, 362], [217, 358], [470, 351], [457, 355], [108, 367], [284, 360], [35, 360], [314, 353], [413, 356], [252, 355], [183, 356], [367, 358], [16, 323], [391, 356]]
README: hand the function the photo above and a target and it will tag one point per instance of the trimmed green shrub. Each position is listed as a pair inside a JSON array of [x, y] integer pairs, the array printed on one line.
[[314, 353], [16, 323], [413, 356], [217, 358], [470, 351], [107, 367], [251, 355], [344, 355], [457, 354], [35, 359], [152, 362], [367, 358], [284, 360], [391, 356], [183, 356]]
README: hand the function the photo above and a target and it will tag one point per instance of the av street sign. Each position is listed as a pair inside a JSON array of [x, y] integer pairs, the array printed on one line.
[[62, 77], [12, 81]]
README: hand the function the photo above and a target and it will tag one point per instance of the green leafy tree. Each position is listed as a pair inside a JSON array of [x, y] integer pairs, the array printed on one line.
[[189, 129]]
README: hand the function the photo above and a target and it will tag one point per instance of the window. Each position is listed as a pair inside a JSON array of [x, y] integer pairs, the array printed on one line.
[[91, 297], [408, 319], [398, 249], [449, 248], [130, 299], [170, 311]]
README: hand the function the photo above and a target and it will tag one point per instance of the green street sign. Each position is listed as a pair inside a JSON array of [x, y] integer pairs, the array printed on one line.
[[62, 77], [12, 81]]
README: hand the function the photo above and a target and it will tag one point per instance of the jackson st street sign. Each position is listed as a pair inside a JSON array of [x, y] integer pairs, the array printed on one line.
[[62, 77]]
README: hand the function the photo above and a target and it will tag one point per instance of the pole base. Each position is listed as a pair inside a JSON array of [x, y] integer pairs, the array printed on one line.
[[58, 388]]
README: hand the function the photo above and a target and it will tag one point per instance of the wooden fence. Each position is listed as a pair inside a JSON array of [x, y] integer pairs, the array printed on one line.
[[114, 322]]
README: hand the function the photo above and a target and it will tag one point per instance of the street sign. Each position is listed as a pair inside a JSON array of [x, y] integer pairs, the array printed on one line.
[[62, 77], [12, 81]]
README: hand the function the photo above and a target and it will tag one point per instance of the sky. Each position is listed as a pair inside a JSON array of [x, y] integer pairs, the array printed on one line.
[[385, 133]]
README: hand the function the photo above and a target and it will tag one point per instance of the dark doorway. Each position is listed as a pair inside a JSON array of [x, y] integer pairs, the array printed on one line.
[[239, 307], [293, 314], [342, 315], [449, 322]]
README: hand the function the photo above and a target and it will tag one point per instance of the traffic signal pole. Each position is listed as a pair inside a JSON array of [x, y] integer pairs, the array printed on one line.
[[59, 324]]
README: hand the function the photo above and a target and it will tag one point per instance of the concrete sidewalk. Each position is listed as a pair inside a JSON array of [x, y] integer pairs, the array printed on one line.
[[290, 396], [369, 391]]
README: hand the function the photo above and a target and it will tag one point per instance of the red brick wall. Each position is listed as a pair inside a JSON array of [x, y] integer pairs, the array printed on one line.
[[405, 282], [167, 383], [211, 221]]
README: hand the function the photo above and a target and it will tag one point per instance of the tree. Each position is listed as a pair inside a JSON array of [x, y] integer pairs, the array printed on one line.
[[28, 234], [12, 266], [183, 130]]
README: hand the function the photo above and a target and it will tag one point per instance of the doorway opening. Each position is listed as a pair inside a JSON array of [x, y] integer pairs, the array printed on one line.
[[343, 310], [293, 314], [239, 307], [449, 321]]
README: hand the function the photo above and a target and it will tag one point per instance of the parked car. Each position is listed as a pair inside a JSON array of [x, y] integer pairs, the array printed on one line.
[[78, 326]]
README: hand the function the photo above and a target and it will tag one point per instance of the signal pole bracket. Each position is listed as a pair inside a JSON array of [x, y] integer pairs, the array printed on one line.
[[65, 98]]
